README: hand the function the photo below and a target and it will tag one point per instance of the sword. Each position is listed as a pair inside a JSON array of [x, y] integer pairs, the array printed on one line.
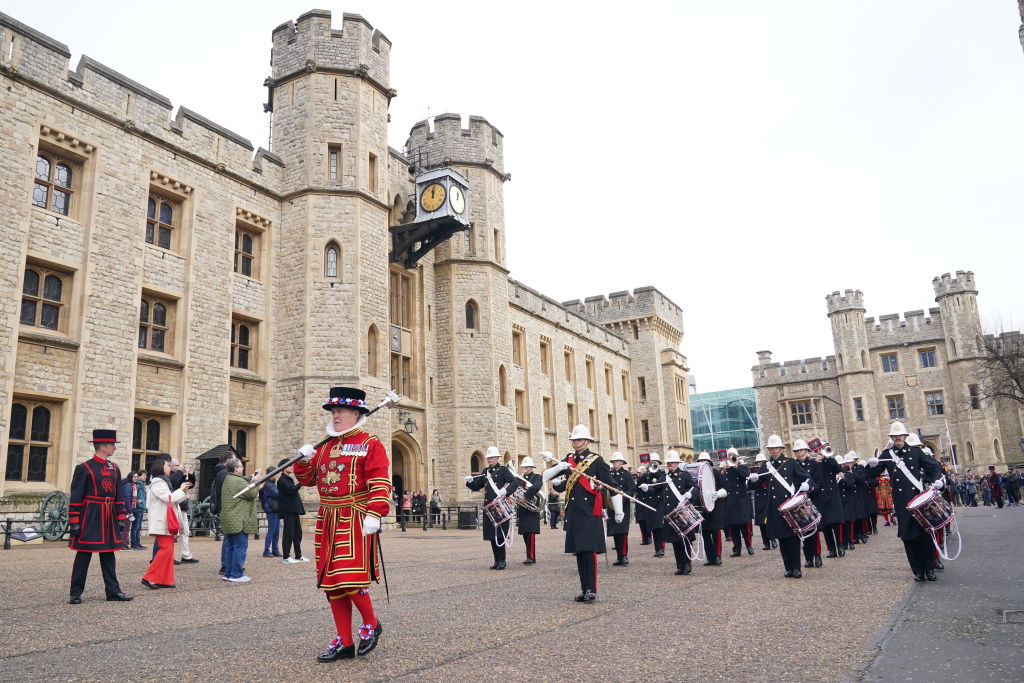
[[598, 482], [390, 400]]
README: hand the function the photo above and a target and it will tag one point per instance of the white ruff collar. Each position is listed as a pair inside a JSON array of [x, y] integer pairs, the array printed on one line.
[[351, 430]]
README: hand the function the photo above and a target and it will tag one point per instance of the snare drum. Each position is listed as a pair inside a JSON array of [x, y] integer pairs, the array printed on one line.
[[684, 518], [931, 510], [801, 515], [519, 498], [500, 510]]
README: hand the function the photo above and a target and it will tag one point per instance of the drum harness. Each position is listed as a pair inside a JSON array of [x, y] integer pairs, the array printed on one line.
[[698, 555], [792, 492], [919, 485], [507, 540]]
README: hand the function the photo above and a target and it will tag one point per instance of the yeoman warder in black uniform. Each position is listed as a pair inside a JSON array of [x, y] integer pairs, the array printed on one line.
[[584, 507]]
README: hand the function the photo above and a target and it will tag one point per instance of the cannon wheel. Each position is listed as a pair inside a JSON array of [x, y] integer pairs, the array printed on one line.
[[53, 515]]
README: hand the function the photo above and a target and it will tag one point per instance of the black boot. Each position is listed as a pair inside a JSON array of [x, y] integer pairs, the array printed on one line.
[[373, 636]]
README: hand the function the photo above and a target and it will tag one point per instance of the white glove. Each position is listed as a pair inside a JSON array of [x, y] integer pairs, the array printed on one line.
[[307, 452], [644, 487], [371, 525], [468, 479], [617, 508], [804, 487], [688, 495], [872, 462], [501, 492], [754, 476], [938, 484], [721, 493]]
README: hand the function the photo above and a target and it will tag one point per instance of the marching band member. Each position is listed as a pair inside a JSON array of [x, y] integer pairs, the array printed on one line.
[[622, 479], [350, 472], [714, 521], [528, 521], [785, 477], [910, 470], [584, 507], [861, 501], [826, 498], [650, 484], [679, 486], [848, 494], [761, 499], [497, 482], [96, 516], [737, 504], [811, 544]]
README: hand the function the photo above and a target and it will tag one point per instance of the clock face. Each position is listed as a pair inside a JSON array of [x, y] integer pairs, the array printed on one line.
[[432, 197], [457, 199]]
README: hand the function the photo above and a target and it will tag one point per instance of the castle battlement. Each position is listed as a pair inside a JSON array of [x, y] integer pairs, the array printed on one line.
[[642, 302], [963, 283], [809, 369], [444, 142], [532, 301], [33, 59], [850, 301], [310, 44]]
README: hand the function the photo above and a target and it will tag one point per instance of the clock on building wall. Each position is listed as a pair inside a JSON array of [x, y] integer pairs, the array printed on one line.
[[442, 209]]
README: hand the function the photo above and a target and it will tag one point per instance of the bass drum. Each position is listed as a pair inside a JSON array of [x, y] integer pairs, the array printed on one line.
[[704, 477]]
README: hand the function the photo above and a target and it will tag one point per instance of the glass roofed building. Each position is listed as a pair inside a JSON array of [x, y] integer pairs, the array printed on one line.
[[724, 418]]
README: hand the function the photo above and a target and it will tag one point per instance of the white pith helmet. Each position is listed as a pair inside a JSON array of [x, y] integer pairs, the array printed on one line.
[[580, 432], [898, 429], [760, 457], [800, 445], [913, 440], [527, 462], [774, 441], [671, 456], [655, 457], [617, 455], [732, 451], [492, 452], [704, 455], [851, 457]]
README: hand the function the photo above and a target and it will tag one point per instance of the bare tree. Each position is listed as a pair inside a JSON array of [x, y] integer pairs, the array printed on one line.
[[1001, 371]]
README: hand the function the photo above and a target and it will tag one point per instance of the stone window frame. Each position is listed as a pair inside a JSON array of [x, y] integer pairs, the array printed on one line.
[[44, 272], [50, 186], [80, 156], [252, 327], [372, 173], [545, 356], [645, 432], [612, 440], [625, 386], [570, 412], [801, 412], [591, 370], [250, 432], [570, 364], [641, 388], [518, 346], [935, 401], [897, 406], [548, 413], [927, 357], [334, 162], [592, 423], [28, 442], [143, 450], [472, 315], [858, 409], [609, 383], [522, 410], [502, 386], [974, 396], [163, 188], [629, 432], [332, 246], [152, 299], [890, 362], [373, 351], [256, 227]]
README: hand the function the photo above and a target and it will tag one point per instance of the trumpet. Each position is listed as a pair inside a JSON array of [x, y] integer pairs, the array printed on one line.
[[734, 461], [652, 466]]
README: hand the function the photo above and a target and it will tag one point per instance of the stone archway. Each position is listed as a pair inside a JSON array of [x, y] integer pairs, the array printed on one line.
[[405, 464]]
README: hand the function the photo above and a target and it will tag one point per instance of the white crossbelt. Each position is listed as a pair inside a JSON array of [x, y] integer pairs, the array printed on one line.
[[493, 485], [672, 485], [905, 470], [785, 484]]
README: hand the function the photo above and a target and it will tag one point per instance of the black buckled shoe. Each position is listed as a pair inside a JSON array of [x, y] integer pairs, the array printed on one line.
[[149, 584], [75, 600], [817, 561], [335, 650], [586, 596], [119, 597], [369, 637]]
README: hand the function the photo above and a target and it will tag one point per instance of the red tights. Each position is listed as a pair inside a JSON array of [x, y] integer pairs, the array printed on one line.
[[341, 609]]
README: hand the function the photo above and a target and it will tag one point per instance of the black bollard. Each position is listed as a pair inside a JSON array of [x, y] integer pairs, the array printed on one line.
[[7, 533]]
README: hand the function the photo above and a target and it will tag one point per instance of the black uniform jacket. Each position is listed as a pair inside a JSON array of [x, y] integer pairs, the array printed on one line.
[[715, 519], [654, 496], [923, 466], [502, 477], [737, 504], [794, 474], [622, 479], [825, 495], [527, 521], [96, 504], [683, 482], [762, 496], [584, 531]]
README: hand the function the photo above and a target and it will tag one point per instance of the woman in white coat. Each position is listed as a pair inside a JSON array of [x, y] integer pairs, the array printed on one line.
[[161, 502]]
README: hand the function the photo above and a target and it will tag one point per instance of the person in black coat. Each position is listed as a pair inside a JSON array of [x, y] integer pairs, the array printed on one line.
[[796, 478], [737, 504], [927, 472], [290, 508], [497, 481], [554, 508], [584, 507], [622, 479], [679, 486], [860, 527], [811, 544], [528, 521], [653, 522], [762, 496], [824, 469], [849, 495], [714, 519]]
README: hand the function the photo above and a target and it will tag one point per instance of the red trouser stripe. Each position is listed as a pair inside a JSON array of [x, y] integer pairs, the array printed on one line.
[[817, 544], [625, 546]]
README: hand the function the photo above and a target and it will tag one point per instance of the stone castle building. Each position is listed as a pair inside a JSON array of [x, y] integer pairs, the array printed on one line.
[[921, 369], [162, 277]]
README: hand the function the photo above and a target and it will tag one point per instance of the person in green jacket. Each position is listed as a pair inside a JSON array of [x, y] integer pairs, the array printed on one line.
[[237, 518]]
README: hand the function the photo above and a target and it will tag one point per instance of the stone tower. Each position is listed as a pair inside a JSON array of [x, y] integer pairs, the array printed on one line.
[[328, 94], [473, 331], [853, 367]]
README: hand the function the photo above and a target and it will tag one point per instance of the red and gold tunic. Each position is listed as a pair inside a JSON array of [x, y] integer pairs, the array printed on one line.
[[351, 475], [883, 494]]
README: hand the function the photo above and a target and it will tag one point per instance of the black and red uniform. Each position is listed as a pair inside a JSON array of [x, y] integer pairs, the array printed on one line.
[[97, 510]]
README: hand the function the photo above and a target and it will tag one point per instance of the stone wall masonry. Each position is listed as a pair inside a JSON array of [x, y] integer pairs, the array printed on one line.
[[447, 143], [158, 387], [913, 328], [357, 46], [43, 368], [619, 306], [246, 401], [545, 308], [56, 237]]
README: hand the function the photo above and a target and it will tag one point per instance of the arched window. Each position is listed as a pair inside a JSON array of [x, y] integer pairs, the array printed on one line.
[[53, 184], [997, 450], [970, 452], [29, 442], [332, 259], [502, 386], [372, 343], [472, 315], [863, 360], [159, 221], [475, 461]]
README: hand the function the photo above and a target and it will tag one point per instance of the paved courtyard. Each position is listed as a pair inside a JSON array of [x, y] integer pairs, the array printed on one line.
[[450, 618]]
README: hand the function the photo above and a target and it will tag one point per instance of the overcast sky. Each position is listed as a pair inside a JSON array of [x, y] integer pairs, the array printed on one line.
[[744, 157]]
